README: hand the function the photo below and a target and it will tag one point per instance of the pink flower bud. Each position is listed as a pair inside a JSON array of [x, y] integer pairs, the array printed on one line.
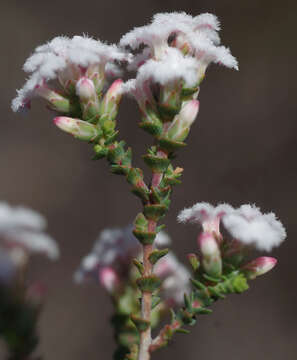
[[115, 91], [180, 126], [211, 257], [259, 266], [193, 259], [85, 89], [109, 279], [55, 101], [111, 100], [78, 128], [189, 112]]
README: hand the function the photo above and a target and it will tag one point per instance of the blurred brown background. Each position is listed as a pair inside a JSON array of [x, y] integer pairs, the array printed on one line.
[[241, 149]]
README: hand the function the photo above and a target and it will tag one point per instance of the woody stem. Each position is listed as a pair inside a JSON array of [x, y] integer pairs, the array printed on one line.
[[146, 297]]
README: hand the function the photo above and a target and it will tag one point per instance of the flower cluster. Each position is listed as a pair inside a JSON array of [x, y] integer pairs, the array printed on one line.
[[246, 226], [170, 55], [173, 52], [79, 64]]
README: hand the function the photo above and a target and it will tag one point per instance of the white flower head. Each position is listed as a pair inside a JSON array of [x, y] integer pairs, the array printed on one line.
[[207, 215], [248, 225], [66, 60], [175, 46]]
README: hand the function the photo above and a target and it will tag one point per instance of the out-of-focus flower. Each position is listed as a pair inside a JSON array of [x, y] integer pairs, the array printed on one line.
[[114, 248], [22, 234], [175, 278], [112, 256], [67, 61], [109, 279], [249, 226]]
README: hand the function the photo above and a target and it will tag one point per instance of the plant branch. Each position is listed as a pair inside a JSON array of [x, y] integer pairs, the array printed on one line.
[[197, 302]]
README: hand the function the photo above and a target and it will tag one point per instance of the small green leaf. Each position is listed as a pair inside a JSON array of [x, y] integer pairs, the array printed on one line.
[[171, 145], [100, 152], [194, 261], [141, 192], [140, 323], [153, 128], [157, 255], [144, 237], [148, 283], [156, 163], [154, 211], [211, 278], [215, 293], [186, 92], [155, 301], [198, 285], [202, 311], [139, 266], [160, 227]]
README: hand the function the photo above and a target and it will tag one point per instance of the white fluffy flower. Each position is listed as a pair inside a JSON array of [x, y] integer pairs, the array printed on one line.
[[23, 229], [199, 34], [172, 66], [248, 225], [65, 59], [205, 214]]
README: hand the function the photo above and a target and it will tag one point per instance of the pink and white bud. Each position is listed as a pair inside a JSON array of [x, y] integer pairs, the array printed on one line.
[[78, 128], [96, 72], [111, 100], [189, 112], [180, 126], [85, 89], [259, 266], [115, 91], [69, 77], [109, 279], [194, 261], [55, 101], [211, 256]]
